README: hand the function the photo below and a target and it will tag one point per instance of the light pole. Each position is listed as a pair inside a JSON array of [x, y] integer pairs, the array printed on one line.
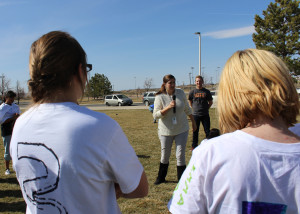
[[217, 75], [198, 33], [135, 86], [192, 74], [134, 83], [190, 80]]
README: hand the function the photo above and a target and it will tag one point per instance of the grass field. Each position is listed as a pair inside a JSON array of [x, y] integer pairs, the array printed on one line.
[[142, 134]]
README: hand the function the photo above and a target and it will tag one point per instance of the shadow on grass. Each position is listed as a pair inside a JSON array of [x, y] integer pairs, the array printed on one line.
[[11, 193], [143, 156], [13, 207], [9, 180]]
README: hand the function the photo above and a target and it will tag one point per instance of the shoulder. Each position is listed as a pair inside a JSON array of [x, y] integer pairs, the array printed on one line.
[[2, 105], [97, 117], [206, 90], [179, 91], [192, 91], [227, 145], [191, 94], [15, 106], [160, 96]]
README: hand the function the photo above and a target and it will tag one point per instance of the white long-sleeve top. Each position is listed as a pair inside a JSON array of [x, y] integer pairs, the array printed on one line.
[[166, 126], [8, 111]]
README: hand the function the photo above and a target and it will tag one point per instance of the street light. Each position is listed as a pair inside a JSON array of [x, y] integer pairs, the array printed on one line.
[[198, 33], [190, 80], [135, 83], [218, 74], [192, 74]]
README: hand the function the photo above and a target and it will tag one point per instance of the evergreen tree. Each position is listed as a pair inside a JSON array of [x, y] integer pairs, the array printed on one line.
[[278, 31], [99, 85]]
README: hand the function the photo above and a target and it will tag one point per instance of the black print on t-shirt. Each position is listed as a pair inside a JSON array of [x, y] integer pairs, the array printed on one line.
[[40, 170]]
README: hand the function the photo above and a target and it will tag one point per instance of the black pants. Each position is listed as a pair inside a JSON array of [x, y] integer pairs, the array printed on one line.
[[206, 125]]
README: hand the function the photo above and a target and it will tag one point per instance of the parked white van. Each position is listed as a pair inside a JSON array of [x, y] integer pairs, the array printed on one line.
[[117, 100]]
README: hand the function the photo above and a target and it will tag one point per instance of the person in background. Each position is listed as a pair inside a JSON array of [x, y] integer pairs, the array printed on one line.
[[151, 108], [253, 167], [67, 158], [171, 108], [9, 112], [213, 133], [200, 100]]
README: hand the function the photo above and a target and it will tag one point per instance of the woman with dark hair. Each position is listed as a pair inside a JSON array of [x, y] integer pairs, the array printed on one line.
[[171, 108], [67, 158]]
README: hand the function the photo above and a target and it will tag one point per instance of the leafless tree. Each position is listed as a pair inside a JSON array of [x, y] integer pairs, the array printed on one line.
[[19, 91], [4, 85], [138, 91], [148, 84]]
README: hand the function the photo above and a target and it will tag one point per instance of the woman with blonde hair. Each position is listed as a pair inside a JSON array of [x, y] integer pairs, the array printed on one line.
[[254, 166], [67, 158]]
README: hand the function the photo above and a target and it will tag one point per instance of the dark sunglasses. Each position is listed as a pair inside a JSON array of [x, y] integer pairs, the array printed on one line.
[[89, 67]]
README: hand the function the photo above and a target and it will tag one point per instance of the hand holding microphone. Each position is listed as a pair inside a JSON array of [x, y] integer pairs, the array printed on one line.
[[174, 99]]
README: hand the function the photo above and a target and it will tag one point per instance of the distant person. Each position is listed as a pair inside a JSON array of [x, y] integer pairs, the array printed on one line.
[[171, 108], [151, 108], [9, 112], [254, 166], [69, 159], [212, 133], [200, 100]]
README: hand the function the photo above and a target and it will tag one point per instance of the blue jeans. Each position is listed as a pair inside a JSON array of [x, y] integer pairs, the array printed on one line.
[[206, 125], [6, 143]]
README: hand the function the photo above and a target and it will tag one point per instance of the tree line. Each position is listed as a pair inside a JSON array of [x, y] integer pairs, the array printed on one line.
[[99, 85]]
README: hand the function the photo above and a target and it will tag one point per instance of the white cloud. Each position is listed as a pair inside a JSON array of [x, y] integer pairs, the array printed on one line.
[[237, 32]]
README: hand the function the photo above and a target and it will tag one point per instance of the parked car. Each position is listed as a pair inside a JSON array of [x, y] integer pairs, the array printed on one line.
[[117, 100], [149, 97]]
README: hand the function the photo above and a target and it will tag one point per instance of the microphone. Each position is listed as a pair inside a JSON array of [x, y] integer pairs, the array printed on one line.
[[174, 108]]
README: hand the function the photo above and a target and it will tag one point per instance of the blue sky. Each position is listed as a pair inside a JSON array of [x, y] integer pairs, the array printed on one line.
[[131, 40]]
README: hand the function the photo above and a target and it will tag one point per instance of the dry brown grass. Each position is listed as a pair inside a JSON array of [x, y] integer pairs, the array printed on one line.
[[142, 134]]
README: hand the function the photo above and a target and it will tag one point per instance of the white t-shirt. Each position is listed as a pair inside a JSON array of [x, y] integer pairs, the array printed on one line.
[[295, 129], [239, 173], [8, 111], [67, 159]]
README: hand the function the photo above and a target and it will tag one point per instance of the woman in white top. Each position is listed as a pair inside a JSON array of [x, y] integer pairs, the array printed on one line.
[[69, 159], [171, 108], [254, 166]]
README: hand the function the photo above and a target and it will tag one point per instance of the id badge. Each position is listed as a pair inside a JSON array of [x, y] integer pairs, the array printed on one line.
[[174, 121]]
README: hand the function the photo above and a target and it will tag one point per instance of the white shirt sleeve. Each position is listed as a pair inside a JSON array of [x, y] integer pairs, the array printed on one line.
[[3, 110], [188, 195], [158, 106], [126, 168]]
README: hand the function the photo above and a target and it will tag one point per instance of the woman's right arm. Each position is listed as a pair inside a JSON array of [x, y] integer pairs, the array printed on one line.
[[159, 111]]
